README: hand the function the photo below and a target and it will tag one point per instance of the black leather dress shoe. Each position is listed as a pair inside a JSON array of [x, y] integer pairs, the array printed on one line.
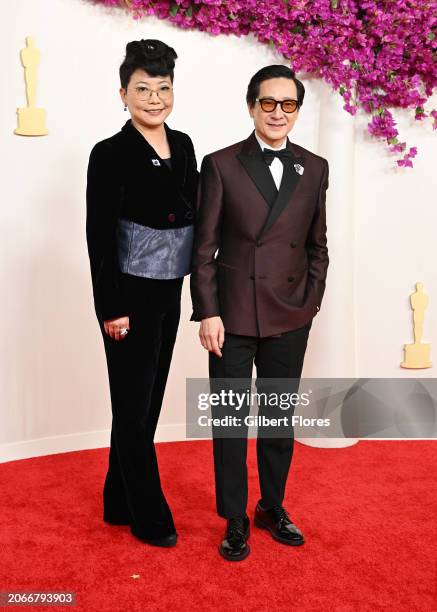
[[234, 547], [277, 521]]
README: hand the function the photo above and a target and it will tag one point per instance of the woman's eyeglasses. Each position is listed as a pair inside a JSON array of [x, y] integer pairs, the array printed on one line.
[[269, 104], [144, 93]]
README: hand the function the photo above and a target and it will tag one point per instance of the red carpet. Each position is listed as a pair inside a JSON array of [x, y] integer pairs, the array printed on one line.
[[369, 515]]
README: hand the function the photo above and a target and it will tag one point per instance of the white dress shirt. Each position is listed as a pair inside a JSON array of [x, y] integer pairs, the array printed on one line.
[[276, 167]]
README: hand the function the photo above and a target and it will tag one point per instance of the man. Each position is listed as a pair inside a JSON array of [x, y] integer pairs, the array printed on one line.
[[261, 205]]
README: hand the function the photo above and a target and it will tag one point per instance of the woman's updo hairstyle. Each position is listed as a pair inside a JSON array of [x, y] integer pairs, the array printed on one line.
[[153, 56]]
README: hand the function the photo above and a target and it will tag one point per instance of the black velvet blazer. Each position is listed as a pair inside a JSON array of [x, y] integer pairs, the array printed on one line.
[[127, 178]]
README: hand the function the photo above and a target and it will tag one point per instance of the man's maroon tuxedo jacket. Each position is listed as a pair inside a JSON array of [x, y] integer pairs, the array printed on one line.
[[260, 257]]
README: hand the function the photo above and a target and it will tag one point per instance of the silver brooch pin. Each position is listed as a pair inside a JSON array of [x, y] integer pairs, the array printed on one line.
[[299, 169], [156, 162]]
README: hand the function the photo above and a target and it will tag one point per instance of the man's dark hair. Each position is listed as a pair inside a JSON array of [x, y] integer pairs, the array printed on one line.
[[153, 56], [272, 72]]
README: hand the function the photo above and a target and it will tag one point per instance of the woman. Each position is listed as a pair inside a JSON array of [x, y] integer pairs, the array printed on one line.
[[141, 189]]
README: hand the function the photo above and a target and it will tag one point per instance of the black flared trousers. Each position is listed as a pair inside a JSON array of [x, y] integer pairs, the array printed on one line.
[[138, 367]]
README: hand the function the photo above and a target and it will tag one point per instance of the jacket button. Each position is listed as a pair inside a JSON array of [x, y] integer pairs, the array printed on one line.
[[290, 279], [171, 217], [293, 245], [258, 243]]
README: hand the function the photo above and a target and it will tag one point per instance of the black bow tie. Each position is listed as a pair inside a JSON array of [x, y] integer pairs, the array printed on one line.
[[282, 154]]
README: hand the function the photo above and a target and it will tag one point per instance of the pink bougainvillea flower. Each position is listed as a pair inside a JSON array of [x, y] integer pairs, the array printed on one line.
[[378, 54]]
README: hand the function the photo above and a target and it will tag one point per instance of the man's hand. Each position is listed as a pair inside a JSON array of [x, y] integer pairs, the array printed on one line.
[[113, 327], [212, 334]]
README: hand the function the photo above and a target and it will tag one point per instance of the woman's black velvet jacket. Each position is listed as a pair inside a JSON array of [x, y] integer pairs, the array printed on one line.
[[126, 178]]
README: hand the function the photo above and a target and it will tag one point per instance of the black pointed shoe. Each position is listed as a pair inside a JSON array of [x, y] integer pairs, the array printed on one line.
[[166, 541], [234, 546], [281, 527]]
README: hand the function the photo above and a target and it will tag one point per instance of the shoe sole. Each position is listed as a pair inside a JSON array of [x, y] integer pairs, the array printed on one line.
[[241, 558], [160, 544], [156, 542], [262, 525]]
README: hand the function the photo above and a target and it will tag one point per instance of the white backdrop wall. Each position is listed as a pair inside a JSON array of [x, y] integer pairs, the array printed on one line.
[[381, 220]]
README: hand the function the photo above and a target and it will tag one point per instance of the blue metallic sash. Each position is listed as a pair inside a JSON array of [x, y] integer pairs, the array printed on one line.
[[154, 253]]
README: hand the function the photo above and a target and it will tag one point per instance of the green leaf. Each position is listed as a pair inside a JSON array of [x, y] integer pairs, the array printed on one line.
[[342, 89], [174, 10], [431, 36], [189, 11], [334, 4], [393, 141]]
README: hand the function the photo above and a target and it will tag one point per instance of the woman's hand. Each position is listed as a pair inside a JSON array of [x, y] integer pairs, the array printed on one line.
[[115, 327]]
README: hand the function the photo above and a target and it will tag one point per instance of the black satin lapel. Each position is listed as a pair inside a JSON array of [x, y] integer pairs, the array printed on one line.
[[289, 183], [261, 175]]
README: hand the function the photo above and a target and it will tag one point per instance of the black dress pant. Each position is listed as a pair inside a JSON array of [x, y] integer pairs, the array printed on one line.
[[274, 357], [138, 367]]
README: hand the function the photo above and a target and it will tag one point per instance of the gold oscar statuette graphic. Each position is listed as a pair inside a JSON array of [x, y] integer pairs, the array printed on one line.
[[417, 355], [31, 120]]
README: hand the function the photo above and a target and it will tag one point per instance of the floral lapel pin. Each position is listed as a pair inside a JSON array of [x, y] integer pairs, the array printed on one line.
[[299, 169], [156, 162]]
